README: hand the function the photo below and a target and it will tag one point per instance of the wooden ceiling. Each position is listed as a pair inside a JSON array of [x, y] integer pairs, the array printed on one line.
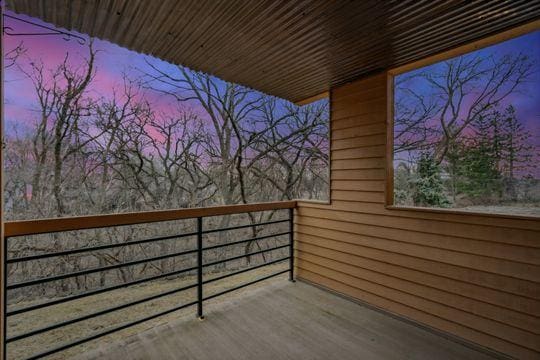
[[291, 49]]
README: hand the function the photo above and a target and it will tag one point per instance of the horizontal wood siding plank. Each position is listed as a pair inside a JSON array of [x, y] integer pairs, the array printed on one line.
[[371, 197], [353, 121], [358, 153], [371, 129], [362, 94], [360, 108], [355, 164], [351, 143], [364, 185], [366, 174]]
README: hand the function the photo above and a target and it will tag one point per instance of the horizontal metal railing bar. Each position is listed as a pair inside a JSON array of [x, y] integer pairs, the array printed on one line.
[[33, 227], [160, 238], [97, 313], [244, 285], [94, 270], [109, 331], [244, 226], [135, 242], [99, 247], [244, 241], [245, 255], [245, 270], [96, 292]]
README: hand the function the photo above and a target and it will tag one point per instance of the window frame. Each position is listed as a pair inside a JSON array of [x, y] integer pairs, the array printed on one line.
[[430, 60]]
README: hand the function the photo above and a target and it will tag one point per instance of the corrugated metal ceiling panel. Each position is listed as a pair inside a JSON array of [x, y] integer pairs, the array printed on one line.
[[291, 49]]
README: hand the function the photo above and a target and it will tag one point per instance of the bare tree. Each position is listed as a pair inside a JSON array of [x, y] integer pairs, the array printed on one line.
[[412, 112], [63, 106], [458, 92], [12, 56]]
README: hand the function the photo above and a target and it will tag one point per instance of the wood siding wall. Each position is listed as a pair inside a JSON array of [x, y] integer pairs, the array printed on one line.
[[473, 276]]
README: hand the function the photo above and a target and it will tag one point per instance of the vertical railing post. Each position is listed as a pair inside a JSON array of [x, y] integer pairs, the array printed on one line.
[[291, 245], [199, 269]]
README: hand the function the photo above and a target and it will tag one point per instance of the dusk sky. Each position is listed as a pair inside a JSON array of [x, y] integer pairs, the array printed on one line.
[[113, 60], [525, 99]]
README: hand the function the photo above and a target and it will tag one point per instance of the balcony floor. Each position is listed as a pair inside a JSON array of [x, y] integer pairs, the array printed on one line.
[[283, 320]]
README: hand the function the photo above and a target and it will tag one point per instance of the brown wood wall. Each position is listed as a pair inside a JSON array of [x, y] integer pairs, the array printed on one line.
[[473, 276]]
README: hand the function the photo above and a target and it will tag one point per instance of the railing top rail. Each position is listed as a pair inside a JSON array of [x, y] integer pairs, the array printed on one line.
[[43, 226]]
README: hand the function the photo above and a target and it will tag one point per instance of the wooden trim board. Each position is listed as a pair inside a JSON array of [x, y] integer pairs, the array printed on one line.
[[32, 227]]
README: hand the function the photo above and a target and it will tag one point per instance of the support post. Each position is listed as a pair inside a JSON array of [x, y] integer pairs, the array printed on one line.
[[199, 269], [4, 297], [291, 245], [3, 242]]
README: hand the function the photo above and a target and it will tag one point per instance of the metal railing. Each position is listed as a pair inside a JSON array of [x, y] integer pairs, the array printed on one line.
[[21, 228]]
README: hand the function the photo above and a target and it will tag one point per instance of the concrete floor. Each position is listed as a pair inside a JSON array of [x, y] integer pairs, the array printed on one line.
[[286, 320]]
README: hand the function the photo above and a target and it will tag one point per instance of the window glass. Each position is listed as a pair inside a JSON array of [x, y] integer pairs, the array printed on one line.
[[467, 131]]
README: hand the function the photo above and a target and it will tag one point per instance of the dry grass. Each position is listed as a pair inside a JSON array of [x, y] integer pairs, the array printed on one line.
[[25, 322], [510, 209]]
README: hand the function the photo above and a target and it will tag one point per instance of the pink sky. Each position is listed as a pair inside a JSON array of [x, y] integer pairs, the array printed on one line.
[[111, 62]]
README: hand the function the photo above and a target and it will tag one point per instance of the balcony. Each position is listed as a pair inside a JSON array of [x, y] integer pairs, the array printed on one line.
[[266, 315], [373, 280]]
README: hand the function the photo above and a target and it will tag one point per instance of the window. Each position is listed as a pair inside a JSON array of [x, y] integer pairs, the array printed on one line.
[[466, 131]]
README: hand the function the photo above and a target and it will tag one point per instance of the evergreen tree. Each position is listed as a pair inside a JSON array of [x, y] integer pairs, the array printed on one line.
[[484, 156], [477, 172], [402, 184], [429, 189], [517, 150], [497, 152]]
